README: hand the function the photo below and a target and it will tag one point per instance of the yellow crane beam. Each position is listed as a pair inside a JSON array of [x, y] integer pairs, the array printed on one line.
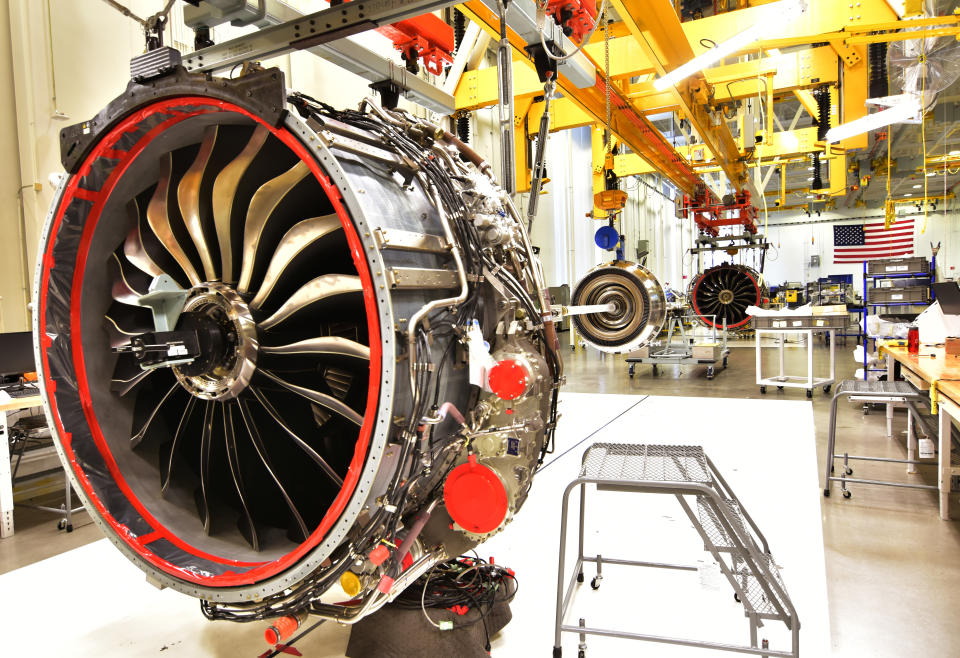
[[627, 123]]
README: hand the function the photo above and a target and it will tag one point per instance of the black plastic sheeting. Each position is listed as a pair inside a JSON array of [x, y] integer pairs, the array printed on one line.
[[76, 435]]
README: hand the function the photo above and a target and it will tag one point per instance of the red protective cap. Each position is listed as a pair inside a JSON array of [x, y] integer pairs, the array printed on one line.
[[379, 555], [475, 497], [385, 584], [508, 379], [281, 629]]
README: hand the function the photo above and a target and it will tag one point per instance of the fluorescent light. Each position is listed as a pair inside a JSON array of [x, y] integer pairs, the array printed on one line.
[[809, 168], [917, 187], [931, 173], [954, 153], [779, 14], [810, 179], [908, 194], [908, 109]]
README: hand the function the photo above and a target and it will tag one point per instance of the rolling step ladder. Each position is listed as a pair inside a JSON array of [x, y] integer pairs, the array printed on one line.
[[728, 533]]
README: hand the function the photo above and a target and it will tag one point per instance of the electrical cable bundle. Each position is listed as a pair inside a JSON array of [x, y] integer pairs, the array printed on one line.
[[468, 582]]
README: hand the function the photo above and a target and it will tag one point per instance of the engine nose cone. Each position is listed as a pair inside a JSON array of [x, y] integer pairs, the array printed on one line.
[[227, 335]]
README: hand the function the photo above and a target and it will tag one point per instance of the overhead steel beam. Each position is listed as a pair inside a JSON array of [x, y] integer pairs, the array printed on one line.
[[657, 28], [322, 33], [633, 130]]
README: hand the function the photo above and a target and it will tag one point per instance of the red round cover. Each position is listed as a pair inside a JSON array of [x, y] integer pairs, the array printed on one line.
[[475, 497], [508, 379]]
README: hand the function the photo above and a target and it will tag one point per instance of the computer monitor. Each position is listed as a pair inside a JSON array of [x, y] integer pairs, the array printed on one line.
[[16, 353], [948, 294]]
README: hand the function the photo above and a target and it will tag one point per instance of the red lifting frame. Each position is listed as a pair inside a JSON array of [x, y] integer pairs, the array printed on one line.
[[710, 215], [427, 36]]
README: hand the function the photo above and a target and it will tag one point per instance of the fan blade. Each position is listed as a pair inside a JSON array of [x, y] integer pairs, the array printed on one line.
[[264, 202], [303, 445], [159, 219], [298, 238], [203, 504], [331, 345], [188, 196], [138, 437], [181, 426], [323, 287], [265, 459], [127, 374], [224, 192], [324, 400], [245, 523], [121, 289], [133, 246], [120, 334]]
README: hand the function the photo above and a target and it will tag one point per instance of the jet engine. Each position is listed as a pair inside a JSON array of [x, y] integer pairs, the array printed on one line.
[[637, 306], [721, 294], [284, 346]]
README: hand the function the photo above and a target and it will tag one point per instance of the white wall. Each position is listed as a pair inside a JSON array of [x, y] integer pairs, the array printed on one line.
[[799, 237]]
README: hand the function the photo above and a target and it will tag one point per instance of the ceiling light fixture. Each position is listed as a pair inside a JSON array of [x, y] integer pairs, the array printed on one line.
[[908, 107], [778, 16]]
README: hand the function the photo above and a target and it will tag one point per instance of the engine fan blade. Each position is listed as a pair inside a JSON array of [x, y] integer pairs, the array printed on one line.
[[224, 193], [121, 289], [201, 495], [165, 475], [264, 202], [188, 196], [327, 345], [133, 247], [130, 324], [320, 288], [159, 219], [245, 522], [138, 437], [265, 460], [303, 445], [127, 374], [294, 242], [324, 400]]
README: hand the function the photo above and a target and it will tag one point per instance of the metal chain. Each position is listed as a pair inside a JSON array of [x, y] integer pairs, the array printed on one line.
[[606, 76]]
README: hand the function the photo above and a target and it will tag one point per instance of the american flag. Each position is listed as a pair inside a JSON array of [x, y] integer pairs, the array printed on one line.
[[853, 243]]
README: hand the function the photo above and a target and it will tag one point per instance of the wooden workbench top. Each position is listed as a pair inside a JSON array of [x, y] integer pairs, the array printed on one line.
[[21, 403], [931, 364]]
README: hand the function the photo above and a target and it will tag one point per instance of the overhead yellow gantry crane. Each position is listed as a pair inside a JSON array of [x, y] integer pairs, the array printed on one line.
[[650, 40]]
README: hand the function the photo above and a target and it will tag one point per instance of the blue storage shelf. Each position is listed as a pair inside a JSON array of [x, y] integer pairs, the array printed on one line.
[[930, 276]]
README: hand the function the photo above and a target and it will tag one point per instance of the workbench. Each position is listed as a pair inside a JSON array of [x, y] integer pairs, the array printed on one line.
[[8, 404], [807, 326], [931, 370]]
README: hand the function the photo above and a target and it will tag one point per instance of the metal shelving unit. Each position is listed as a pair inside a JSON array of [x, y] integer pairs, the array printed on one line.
[[930, 275]]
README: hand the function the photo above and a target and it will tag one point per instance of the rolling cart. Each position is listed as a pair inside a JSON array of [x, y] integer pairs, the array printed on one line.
[[807, 325], [686, 352]]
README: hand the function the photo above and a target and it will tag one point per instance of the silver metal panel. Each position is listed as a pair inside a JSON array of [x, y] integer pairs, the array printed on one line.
[[314, 32], [413, 277], [410, 241]]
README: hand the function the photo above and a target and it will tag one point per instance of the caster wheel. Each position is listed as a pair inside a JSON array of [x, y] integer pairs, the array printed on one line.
[[581, 654], [61, 524], [654, 370], [710, 372], [736, 597], [557, 652], [69, 527], [826, 493], [595, 583], [847, 494], [809, 394], [580, 577], [763, 390], [724, 362], [849, 471], [779, 388], [826, 389]]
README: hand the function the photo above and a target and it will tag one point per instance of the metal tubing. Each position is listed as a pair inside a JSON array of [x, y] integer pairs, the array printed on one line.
[[505, 103], [663, 639], [882, 483], [635, 563], [885, 459], [542, 136]]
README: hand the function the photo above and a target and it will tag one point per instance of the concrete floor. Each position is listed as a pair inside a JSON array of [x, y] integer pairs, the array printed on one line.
[[893, 568]]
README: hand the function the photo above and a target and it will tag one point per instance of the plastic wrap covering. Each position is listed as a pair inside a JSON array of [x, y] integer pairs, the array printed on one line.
[[251, 329], [941, 68]]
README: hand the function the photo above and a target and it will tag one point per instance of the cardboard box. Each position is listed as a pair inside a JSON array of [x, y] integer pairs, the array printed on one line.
[[951, 346], [706, 351]]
